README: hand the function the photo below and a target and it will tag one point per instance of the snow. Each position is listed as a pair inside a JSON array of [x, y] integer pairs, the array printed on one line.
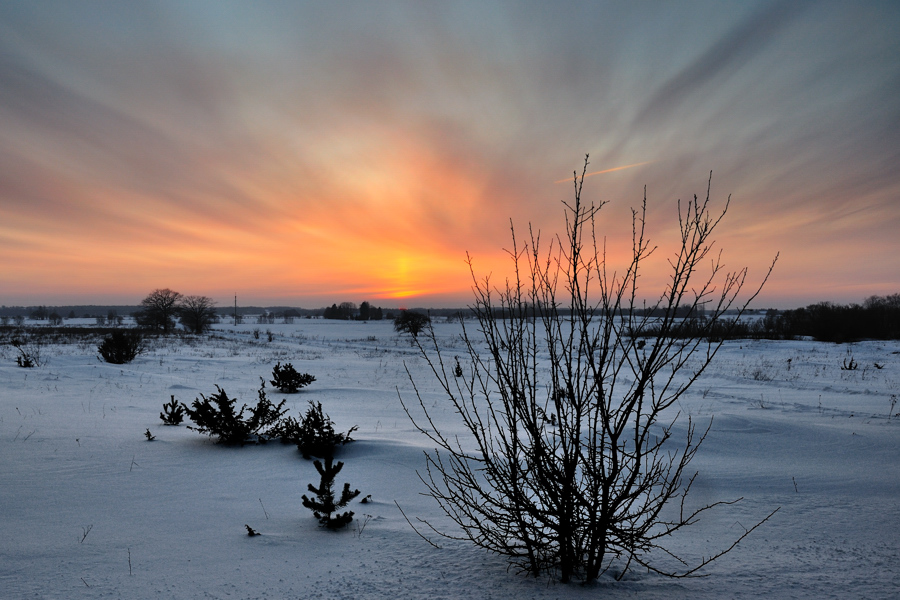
[[90, 509]]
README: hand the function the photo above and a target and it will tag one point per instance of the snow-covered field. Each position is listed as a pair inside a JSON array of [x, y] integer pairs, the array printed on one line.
[[90, 509]]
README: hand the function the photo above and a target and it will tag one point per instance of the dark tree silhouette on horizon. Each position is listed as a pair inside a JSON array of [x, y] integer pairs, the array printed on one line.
[[159, 310], [411, 322], [198, 313]]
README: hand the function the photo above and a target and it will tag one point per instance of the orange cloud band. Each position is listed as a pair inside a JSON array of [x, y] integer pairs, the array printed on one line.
[[614, 169]]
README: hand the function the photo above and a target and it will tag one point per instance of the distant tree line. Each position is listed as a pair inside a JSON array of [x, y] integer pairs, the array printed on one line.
[[877, 318], [348, 311], [83, 311]]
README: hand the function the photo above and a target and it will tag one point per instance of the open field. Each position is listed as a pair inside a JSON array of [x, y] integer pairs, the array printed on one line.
[[90, 509]]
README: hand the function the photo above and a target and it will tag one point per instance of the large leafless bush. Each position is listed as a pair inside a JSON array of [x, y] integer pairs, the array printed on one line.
[[570, 465]]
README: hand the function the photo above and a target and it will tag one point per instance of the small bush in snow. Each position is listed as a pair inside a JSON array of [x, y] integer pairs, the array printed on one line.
[[29, 352], [217, 416], [324, 506], [849, 365], [121, 347], [173, 413], [314, 434], [288, 380]]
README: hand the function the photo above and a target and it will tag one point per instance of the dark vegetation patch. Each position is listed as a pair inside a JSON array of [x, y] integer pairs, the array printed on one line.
[[878, 318]]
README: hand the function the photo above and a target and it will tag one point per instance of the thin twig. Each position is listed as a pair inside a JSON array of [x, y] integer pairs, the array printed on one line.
[[86, 531], [414, 527]]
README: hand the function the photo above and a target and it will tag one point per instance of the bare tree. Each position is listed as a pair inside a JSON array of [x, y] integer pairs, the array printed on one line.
[[570, 462], [411, 322], [198, 313], [159, 310]]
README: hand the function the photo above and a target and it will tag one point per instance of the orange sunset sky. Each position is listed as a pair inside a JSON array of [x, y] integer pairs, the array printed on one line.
[[305, 153]]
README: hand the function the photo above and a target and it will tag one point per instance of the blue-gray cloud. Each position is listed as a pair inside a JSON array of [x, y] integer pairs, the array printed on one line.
[[723, 59]]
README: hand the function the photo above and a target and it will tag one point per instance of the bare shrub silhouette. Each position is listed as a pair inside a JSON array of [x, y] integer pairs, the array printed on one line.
[[600, 484], [30, 349]]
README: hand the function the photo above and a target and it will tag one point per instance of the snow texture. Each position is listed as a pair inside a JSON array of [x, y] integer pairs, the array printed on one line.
[[89, 508]]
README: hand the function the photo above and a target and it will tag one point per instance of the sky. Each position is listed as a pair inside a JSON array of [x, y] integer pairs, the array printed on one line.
[[306, 153]]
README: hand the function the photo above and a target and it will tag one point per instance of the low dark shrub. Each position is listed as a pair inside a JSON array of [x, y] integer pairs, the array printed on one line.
[[216, 415], [288, 380], [850, 365], [29, 352], [314, 434], [121, 347]]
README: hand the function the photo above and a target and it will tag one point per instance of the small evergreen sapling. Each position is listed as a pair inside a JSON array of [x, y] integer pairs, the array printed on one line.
[[288, 380], [173, 413], [324, 506]]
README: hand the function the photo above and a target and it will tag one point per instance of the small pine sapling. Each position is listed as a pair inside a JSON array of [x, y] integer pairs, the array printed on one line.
[[288, 380], [457, 370], [173, 412], [150, 437], [325, 507]]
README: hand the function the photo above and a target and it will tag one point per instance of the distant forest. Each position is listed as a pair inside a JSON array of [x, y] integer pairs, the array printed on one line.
[[878, 318], [343, 311]]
